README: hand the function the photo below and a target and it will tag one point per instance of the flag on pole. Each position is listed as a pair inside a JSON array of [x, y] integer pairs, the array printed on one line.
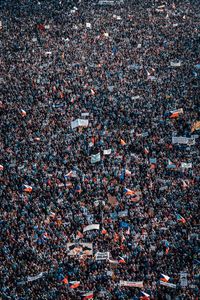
[[144, 296], [88, 295], [92, 92], [71, 174], [129, 192], [174, 115], [27, 188], [164, 278], [23, 113], [185, 184], [171, 165], [122, 142], [74, 284], [65, 280], [179, 218], [121, 260]]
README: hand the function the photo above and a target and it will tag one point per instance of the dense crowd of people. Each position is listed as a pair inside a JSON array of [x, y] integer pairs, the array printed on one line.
[[132, 70]]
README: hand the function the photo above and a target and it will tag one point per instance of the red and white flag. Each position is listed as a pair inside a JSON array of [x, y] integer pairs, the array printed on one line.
[[89, 295]]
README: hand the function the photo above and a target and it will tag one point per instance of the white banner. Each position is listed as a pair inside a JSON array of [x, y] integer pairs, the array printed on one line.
[[186, 165], [91, 227], [183, 140], [175, 64], [107, 152], [32, 278], [138, 284], [79, 249], [79, 123], [85, 114], [102, 255], [95, 158], [168, 284], [135, 97]]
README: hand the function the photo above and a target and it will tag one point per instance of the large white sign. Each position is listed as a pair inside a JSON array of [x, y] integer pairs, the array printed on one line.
[[79, 123], [138, 284]]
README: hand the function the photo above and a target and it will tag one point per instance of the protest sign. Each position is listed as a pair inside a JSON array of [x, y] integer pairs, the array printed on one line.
[[79, 249], [33, 278], [175, 64], [135, 97], [107, 152], [183, 140], [183, 279], [186, 165], [88, 25], [95, 158], [123, 213], [91, 227], [102, 255], [79, 123], [106, 2], [85, 114], [117, 17]]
